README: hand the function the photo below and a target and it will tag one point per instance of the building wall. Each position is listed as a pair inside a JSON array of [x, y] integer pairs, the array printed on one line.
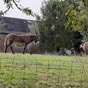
[[14, 25]]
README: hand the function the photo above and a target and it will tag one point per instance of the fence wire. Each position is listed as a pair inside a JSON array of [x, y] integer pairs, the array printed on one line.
[[25, 73]]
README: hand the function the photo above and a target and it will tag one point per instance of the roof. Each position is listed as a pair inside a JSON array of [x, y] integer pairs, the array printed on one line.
[[15, 25]]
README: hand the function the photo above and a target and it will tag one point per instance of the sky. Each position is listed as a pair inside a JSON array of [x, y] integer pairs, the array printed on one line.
[[35, 5]]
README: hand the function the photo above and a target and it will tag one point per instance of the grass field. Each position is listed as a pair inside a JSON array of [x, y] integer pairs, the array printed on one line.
[[43, 71]]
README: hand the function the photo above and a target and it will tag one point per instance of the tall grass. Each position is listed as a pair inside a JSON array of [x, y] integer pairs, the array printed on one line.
[[43, 71]]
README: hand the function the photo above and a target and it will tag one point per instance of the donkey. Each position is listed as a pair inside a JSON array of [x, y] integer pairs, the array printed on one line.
[[84, 47], [24, 38]]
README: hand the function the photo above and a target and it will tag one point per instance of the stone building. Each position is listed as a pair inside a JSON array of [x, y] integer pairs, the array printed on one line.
[[13, 25]]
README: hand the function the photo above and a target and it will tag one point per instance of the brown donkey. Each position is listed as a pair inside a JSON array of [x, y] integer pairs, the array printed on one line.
[[84, 47], [25, 38]]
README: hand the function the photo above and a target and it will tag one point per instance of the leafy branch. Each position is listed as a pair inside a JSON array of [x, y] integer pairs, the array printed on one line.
[[9, 4]]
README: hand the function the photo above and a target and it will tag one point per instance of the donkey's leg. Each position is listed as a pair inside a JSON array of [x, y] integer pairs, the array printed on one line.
[[11, 49], [10, 45], [24, 48], [29, 51], [5, 48], [28, 48]]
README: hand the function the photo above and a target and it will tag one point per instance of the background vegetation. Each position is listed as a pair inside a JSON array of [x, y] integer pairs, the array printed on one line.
[[64, 22], [55, 26]]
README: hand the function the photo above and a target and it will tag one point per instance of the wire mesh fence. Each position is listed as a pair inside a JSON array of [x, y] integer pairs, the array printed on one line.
[[26, 73]]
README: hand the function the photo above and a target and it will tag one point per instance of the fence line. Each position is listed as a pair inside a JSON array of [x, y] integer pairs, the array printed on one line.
[[43, 74]]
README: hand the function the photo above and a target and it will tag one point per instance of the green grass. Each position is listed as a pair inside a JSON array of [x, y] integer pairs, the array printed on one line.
[[43, 71]]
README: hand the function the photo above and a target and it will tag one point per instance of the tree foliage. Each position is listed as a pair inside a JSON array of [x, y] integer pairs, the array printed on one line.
[[2, 25], [77, 17], [52, 26], [33, 27], [9, 4]]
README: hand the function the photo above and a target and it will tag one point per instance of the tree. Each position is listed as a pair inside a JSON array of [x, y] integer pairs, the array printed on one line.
[[52, 28], [2, 28], [9, 4], [33, 27], [77, 17], [2, 25]]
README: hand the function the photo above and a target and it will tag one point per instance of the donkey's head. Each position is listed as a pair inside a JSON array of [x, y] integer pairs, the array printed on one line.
[[34, 38]]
